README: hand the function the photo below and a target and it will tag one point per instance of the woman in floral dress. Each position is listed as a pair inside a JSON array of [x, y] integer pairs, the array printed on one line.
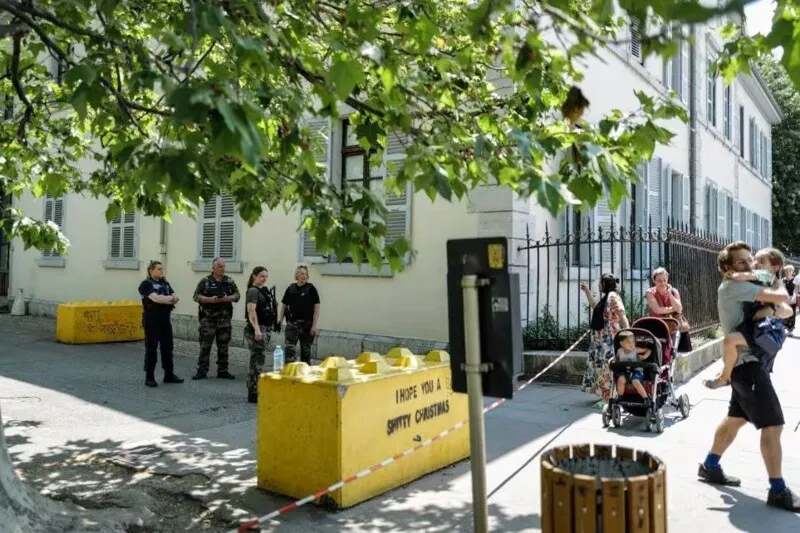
[[608, 317]]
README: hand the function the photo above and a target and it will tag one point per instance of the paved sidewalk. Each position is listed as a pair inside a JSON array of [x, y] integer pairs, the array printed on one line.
[[64, 405]]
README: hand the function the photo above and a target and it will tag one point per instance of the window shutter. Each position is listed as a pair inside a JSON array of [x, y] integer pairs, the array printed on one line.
[[635, 40], [48, 215], [653, 219], [227, 227], [320, 128], [749, 234], [666, 196], [54, 212], [685, 71], [769, 159], [686, 193], [735, 113], [736, 231], [116, 238], [398, 222], [721, 213], [208, 243]]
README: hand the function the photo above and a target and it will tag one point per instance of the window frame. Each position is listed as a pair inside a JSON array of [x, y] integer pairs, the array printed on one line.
[[234, 264], [53, 260], [121, 262]]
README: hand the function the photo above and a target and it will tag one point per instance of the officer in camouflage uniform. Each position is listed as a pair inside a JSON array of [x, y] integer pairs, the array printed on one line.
[[261, 315], [215, 294], [300, 306]]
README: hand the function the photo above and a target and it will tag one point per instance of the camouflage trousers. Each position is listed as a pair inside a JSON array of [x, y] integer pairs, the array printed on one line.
[[258, 356], [212, 329], [298, 331]]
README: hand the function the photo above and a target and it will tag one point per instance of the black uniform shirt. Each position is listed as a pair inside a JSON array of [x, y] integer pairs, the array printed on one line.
[[300, 302], [160, 287]]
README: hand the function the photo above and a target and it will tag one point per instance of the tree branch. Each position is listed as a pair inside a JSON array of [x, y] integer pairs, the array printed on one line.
[[28, 114], [17, 8], [10, 29]]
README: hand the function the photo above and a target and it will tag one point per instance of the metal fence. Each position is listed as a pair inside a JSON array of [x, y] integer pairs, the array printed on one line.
[[556, 309]]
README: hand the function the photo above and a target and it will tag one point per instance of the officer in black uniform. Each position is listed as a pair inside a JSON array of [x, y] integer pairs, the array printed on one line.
[[158, 300], [300, 306]]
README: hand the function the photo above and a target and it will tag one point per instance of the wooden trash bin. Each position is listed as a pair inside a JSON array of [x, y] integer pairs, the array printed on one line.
[[598, 488]]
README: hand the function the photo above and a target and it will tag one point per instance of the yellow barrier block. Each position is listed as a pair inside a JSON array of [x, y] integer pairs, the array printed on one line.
[[331, 423], [93, 321]]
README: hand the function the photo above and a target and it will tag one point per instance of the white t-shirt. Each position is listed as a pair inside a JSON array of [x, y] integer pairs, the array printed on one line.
[[622, 355]]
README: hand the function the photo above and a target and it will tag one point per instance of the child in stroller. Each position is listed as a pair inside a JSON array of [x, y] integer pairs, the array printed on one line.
[[656, 336], [629, 352]]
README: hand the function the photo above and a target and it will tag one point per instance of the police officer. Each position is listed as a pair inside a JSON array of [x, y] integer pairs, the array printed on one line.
[[261, 313], [215, 295], [300, 307], [158, 300]]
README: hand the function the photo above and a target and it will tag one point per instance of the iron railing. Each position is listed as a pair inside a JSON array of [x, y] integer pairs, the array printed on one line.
[[556, 309]]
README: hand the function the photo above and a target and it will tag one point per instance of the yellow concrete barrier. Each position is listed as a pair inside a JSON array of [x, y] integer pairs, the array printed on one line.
[[319, 425], [96, 322]]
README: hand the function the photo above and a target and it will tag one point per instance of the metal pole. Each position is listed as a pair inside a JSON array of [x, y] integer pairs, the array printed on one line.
[[474, 372]]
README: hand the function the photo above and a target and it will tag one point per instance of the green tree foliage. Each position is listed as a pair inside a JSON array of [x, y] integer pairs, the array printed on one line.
[[165, 103], [785, 157]]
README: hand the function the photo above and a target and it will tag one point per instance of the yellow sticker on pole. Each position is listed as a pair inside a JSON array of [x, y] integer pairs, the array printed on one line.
[[496, 256]]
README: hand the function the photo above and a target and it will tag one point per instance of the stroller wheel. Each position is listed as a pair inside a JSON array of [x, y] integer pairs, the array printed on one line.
[[616, 415], [684, 405], [658, 423], [606, 416]]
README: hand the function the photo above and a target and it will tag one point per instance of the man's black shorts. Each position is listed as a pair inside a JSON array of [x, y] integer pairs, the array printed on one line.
[[753, 397]]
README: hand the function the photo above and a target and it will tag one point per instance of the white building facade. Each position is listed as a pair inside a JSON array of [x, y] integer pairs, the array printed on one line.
[[720, 183]]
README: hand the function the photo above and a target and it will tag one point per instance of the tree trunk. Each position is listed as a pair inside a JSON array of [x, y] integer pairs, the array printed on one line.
[[23, 510]]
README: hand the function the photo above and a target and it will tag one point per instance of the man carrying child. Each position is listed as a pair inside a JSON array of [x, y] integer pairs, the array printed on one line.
[[753, 398], [769, 265]]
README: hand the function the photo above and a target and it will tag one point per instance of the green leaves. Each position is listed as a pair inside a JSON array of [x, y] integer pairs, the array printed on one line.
[[178, 102], [344, 75]]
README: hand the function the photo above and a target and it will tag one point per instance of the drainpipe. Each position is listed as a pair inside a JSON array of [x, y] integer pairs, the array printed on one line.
[[692, 131]]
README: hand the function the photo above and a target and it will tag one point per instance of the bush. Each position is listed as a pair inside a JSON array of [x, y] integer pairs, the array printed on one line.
[[545, 333]]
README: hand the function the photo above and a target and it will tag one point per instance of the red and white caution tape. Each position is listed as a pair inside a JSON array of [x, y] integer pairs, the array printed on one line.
[[246, 526]]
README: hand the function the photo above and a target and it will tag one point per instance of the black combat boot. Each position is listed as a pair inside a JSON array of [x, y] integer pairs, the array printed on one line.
[[150, 381], [172, 378], [252, 397]]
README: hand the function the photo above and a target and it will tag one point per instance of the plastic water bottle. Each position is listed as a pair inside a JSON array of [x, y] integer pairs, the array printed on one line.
[[277, 359]]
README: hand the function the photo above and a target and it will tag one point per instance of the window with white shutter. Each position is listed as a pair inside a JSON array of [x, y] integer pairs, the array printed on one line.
[[757, 232], [348, 166], [321, 131], [219, 228], [53, 212], [726, 112], [636, 41], [711, 90], [748, 237], [686, 192], [769, 159], [740, 138], [123, 242], [678, 68], [736, 212]]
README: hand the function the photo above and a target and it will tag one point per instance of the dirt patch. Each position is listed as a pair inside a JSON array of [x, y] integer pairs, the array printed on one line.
[[93, 482]]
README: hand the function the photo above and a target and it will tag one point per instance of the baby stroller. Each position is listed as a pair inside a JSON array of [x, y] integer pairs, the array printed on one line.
[[655, 334]]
